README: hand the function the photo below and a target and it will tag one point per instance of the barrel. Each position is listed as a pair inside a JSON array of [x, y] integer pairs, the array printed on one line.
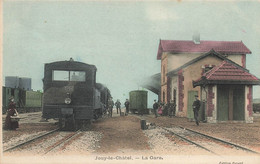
[[143, 124]]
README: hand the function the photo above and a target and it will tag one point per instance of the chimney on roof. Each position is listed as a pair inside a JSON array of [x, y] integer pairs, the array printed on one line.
[[196, 38]]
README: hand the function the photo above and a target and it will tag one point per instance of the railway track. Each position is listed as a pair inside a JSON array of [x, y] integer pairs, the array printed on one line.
[[61, 140], [223, 141], [64, 140], [211, 144], [208, 143], [187, 140], [29, 141]]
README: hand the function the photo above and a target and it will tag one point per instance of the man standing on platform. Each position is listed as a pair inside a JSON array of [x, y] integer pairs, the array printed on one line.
[[118, 106], [127, 106], [110, 106], [155, 108], [196, 108]]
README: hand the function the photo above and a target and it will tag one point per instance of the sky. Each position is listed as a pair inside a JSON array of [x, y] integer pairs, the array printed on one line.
[[121, 38]]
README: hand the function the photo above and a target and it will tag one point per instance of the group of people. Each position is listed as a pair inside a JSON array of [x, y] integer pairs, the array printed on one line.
[[118, 106], [164, 109], [160, 108], [9, 123]]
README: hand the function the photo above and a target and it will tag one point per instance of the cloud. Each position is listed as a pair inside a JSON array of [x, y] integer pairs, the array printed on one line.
[[160, 13]]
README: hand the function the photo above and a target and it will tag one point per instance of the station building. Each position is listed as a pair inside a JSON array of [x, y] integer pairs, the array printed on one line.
[[213, 70]]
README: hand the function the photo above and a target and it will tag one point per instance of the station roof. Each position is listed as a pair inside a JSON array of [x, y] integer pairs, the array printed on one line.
[[183, 46], [210, 53], [227, 73]]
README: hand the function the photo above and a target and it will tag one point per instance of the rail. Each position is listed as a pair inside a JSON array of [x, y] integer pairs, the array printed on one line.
[[187, 140], [221, 140], [65, 139], [29, 141]]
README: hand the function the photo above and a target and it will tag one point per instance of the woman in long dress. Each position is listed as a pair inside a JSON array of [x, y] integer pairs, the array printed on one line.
[[9, 125]]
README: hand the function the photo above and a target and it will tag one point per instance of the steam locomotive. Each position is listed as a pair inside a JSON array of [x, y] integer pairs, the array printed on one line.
[[72, 95]]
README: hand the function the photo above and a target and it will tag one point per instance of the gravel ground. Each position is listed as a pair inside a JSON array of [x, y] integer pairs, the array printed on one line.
[[29, 126], [38, 147], [160, 144], [216, 147], [247, 135], [20, 139], [122, 136], [83, 144]]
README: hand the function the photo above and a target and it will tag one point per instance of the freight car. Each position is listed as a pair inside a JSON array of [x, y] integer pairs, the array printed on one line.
[[138, 102], [72, 95], [26, 101]]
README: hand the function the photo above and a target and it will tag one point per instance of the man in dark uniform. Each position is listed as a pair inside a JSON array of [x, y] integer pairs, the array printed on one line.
[[196, 108], [110, 106], [118, 106], [127, 106], [155, 108]]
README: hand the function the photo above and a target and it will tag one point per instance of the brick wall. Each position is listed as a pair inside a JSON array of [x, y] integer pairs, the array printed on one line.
[[164, 70], [250, 104], [181, 90]]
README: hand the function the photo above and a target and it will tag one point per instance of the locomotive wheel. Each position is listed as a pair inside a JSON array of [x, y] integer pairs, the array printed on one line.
[[61, 123], [70, 123], [86, 124]]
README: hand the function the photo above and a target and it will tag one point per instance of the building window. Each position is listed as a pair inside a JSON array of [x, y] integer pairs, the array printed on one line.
[[208, 68]]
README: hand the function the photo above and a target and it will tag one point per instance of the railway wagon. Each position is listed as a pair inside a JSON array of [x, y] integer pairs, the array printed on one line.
[[71, 94], [30, 101], [6, 94], [26, 101], [138, 102]]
